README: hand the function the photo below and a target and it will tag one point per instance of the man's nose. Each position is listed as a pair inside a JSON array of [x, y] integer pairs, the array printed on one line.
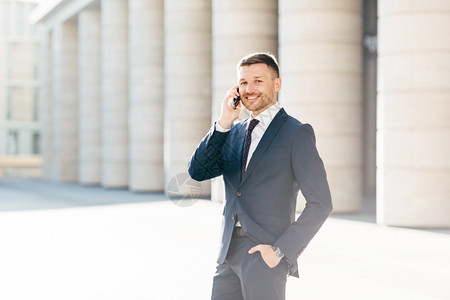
[[250, 88]]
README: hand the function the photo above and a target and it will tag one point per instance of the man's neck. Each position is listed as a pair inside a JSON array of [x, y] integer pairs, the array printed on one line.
[[255, 114]]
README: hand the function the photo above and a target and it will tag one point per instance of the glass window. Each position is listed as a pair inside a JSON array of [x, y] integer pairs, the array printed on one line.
[[21, 104], [12, 142], [8, 104], [36, 143], [4, 19], [36, 105], [20, 20], [22, 60]]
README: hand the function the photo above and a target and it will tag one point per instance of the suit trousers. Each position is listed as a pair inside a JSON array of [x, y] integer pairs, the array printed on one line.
[[246, 276]]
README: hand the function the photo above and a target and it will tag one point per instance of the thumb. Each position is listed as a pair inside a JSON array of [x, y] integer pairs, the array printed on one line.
[[253, 250]]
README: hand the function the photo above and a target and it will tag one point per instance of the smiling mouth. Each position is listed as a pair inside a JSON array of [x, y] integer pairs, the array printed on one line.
[[251, 98]]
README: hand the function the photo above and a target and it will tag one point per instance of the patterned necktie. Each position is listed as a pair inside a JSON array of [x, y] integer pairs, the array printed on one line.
[[248, 140]]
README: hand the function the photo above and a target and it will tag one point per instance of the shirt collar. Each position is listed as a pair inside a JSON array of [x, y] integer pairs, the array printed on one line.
[[266, 117]]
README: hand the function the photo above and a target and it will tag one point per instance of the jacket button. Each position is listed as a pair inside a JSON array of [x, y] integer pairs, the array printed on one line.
[[232, 217], [239, 194]]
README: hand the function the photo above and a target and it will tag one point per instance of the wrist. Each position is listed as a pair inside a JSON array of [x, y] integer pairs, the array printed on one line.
[[225, 124], [278, 253]]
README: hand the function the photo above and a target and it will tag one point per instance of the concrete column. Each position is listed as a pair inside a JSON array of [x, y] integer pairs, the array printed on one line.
[[239, 28], [321, 67], [114, 19], [187, 88], [146, 82], [413, 113], [89, 35], [65, 101], [46, 105]]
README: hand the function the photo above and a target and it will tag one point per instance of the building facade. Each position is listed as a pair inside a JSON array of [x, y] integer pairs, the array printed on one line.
[[19, 80], [129, 87]]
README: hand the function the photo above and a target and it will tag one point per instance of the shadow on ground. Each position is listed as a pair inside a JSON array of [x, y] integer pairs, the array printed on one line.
[[35, 194]]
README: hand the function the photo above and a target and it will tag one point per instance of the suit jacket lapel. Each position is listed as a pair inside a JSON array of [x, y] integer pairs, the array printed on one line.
[[267, 138]]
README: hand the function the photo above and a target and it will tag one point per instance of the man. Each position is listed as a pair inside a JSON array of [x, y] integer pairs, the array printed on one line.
[[265, 161]]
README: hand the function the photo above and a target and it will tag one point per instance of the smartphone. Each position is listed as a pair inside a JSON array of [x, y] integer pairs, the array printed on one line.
[[236, 100]]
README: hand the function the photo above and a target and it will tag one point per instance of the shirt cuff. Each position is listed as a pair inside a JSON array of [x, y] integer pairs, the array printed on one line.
[[220, 128]]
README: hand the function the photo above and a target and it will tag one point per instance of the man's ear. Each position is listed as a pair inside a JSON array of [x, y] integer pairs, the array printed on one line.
[[278, 84]]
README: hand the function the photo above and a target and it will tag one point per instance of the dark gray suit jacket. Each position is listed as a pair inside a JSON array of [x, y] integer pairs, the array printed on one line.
[[285, 161]]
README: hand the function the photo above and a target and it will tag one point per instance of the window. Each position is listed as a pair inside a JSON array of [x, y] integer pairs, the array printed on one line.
[[20, 20], [21, 103], [4, 19], [22, 61], [36, 143], [12, 143], [8, 105]]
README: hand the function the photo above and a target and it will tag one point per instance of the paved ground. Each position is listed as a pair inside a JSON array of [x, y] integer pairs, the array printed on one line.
[[63, 241]]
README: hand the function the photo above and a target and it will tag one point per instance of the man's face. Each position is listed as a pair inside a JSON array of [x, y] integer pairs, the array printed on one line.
[[258, 87]]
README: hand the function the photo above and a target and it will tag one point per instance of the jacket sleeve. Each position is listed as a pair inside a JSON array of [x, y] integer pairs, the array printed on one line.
[[311, 177], [206, 162]]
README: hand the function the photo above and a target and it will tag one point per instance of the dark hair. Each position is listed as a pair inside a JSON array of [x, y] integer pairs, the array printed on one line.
[[261, 58]]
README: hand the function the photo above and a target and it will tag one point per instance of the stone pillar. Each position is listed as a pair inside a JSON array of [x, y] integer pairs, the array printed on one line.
[[89, 33], [187, 88], [321, 67], [46, 106], [114, 24], [413, 143], [146, 82], [239, 28], [65, 101]]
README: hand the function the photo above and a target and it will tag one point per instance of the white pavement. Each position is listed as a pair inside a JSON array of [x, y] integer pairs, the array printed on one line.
[[66, 241]]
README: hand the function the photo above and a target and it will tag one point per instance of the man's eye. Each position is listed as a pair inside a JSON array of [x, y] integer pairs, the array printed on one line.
[[258, 81], [243, 83]]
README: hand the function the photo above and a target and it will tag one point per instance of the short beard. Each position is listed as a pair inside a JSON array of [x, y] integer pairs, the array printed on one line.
[[265, 102]]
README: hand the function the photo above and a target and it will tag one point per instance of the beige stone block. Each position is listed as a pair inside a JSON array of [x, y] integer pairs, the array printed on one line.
[[340, 150], [420, 110], [324, 88], [113, 136], [231, 23], [346, 188], [413, 197], [116, 175], [226, 55], [147, 177], [314, 26], [328, 57], [89, 174], [320, 5], [414, 70], [113, 121], [332, 119], [229, 7], [416, 149], [411, 32], [68, 172], [149, 152], [146, 133], [90, 155], [114, 154], [388, 7]]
